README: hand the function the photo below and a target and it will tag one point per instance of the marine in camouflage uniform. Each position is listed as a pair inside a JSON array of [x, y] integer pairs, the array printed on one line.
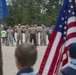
[[10, 36], [43, 35], [33, 34], [27, 34], [19, 34]]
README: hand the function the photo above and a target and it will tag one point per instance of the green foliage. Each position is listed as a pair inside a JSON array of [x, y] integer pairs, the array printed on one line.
[[33, 12]]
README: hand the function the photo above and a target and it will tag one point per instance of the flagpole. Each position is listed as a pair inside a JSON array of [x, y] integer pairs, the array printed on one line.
[[74, 6], [1, 63]]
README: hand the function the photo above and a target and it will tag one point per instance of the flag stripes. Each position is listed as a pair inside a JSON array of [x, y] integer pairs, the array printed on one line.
[[63, 35]]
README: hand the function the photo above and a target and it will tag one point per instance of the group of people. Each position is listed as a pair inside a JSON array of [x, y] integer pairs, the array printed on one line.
[[31, 35], [27, 52]]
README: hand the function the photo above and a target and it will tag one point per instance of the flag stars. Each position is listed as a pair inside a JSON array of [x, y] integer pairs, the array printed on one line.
[[70, 0], [69, 11], [60, 26], [73, 13], [65, 27], [65, 22], [66, 17], [64, 38], [62, 18], [65, 32], [71, 6]]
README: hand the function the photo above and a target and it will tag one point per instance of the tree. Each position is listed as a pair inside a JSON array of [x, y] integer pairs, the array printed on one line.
[[33, 12]]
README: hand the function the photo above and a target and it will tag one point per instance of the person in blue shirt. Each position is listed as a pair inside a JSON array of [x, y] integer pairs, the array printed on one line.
[[70, 69], [26, 56]]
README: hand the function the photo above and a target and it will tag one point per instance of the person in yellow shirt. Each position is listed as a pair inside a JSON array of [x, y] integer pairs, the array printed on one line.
[[3, 35]]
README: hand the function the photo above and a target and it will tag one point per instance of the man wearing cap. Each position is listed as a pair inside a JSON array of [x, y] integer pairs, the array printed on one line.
[[43, 35], [27, 34], [19, 34], [33, 32], [70, 69], [9, 35]]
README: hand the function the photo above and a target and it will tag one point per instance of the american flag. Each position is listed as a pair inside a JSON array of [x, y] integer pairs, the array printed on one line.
[[63, 35]]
